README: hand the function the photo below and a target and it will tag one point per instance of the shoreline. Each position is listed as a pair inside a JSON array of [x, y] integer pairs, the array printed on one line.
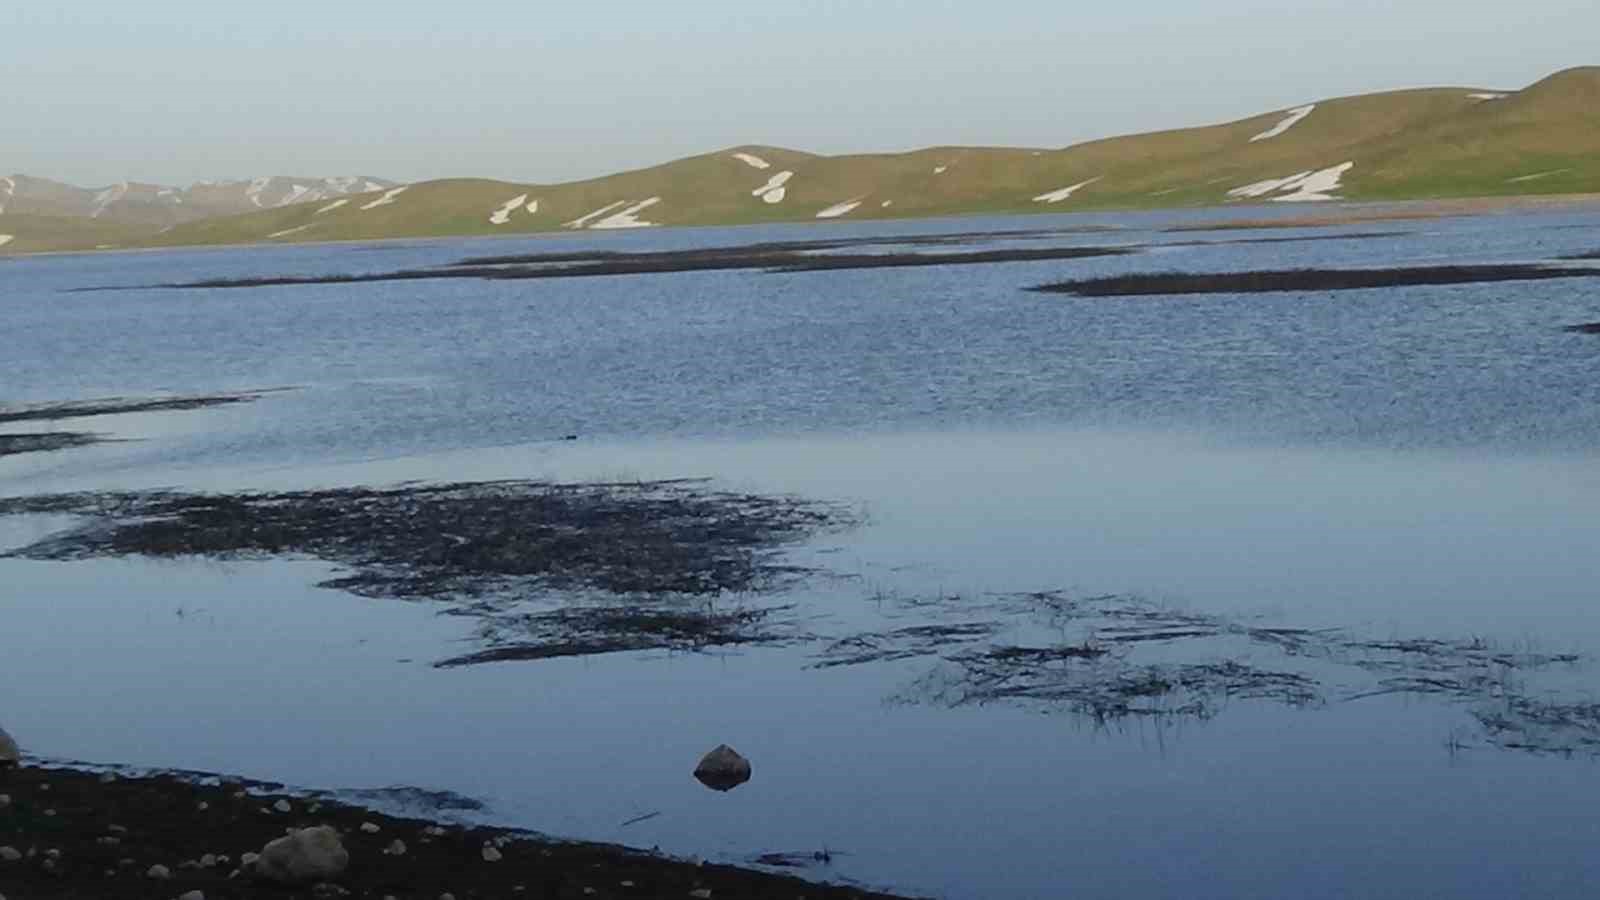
[[80, 833], [1338, 212]]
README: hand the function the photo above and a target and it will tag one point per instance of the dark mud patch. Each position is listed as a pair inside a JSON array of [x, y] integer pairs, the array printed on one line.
[[1109, 658], [45, 441], [778, 261], [1172, 283], [1585, 328], [83, 834], [588, 631], [666, 548], [110, 406]]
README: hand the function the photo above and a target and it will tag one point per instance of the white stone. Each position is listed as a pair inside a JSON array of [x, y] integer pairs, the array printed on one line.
[[158, 872], [395, 848], [311, 854], [193, 895], [369, 828], [9, 854], [490, 854], [282, 806]]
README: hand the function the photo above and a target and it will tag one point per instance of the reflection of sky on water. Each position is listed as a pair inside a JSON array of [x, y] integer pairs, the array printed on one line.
[[1412, 464]]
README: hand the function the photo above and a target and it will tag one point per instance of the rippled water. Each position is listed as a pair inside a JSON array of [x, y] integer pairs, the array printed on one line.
[[1394, 464]]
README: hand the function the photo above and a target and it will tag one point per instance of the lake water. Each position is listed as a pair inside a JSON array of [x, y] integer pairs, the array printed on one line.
[[1393, 464]]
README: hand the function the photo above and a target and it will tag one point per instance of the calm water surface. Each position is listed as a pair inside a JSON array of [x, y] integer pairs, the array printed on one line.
[[1394, 463]]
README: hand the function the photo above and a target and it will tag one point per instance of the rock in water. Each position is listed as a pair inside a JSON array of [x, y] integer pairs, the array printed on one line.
[[10, 753], [311, 854], [723, 769]]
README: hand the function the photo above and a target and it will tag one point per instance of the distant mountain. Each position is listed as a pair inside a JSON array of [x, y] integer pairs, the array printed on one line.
[[1411, 144], [134, 203]]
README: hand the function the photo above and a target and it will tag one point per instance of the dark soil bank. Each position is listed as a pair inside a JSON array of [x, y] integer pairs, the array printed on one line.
[[1159, 283], [81, 835]]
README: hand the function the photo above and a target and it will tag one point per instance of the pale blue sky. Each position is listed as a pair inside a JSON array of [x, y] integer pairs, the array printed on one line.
[[176, 90]]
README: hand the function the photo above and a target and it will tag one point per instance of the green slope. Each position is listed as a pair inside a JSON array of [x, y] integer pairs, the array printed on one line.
[[1425, 143], [27, 233]]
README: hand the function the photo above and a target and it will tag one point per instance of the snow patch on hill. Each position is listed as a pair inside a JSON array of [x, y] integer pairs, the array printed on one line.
[[288, 231], [6, 239], [628, 218], [1293, 118], [387, 198], [1487, 96], [839, 209], [331, 206], [503, 215], [1062, 194], [584, 220], [753, 161], [774, 191], [1298, 188], [104, 199]]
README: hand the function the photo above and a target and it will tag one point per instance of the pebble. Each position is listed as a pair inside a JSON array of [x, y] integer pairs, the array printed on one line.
[[701, 894], [5, 800], [107, 778], [52, 853], [50, 812], [208, 861], [108, 841], [158, 872], [370, 828], [10, 854], [490, 854], [447, 897], [282, 806], [193, 895], [398, 848], [203, 806], [117, 829], [44, 787], [249, 859]]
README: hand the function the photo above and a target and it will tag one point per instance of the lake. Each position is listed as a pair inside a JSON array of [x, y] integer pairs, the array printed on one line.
[[1333, 552]]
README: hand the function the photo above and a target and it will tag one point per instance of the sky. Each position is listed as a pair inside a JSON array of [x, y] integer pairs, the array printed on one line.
[[172, 91]]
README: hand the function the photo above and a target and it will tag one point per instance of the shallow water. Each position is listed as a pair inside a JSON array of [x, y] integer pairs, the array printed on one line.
[[1407, 463]]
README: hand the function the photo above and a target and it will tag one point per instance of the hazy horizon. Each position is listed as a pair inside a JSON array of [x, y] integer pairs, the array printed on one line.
[[174, 92]]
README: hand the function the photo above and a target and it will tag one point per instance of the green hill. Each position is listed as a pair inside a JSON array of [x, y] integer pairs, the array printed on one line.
[[1422, 144]]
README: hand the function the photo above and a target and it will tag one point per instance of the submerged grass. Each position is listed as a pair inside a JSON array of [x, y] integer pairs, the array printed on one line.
[[1172, 283], [484, 544], [45, 441]]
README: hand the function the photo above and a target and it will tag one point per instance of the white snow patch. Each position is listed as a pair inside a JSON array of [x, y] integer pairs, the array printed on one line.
[[628, 218], [1064, 193], [372, 186], [288, 231], [296, 194], [753, 161], [1166, 192], [533, 206], [503, 215], [387, 198], [1298, 188], [940, 170], [774, 191], [332, 206], [1536, 176], [257, 185], [104, 199], [6, 239], [1293, 118], [1487, 96], [583, 221], [839, 209], [886, 204]]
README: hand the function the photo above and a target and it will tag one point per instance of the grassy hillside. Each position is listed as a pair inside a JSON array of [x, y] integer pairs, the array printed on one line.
[[26, 233], [1426, 143]]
